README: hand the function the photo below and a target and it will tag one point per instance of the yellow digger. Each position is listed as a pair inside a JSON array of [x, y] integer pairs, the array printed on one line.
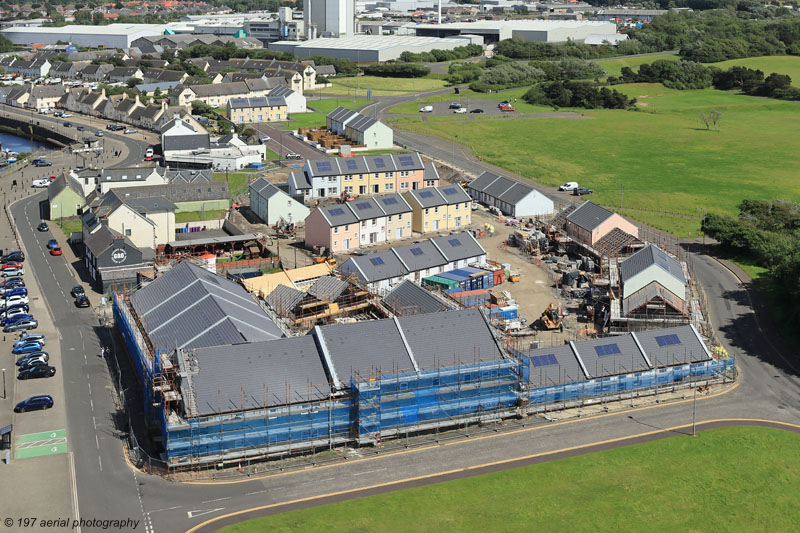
[[551, 319]]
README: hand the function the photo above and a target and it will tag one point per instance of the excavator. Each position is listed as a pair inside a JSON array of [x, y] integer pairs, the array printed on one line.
[[551, 319], [284, 229]]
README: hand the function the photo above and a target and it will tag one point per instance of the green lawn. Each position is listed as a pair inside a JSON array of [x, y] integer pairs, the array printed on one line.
[[326, 105], [732, 479], [195, 216], [613, 67], [663, 156], [307, 120], [70, 225], [357, 86], [768, 64], [238, 182]]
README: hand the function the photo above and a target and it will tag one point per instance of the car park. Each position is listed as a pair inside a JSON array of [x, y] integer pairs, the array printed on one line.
[[477, 110], [22, 325], [82, 301], [41, 184], [292, 155], [37, 372], [129, 131], [27, 347], [34, 403], [580, 191], [12, 271], [77, 290], [56, 250], [43, 226], [569, 186], [31, 337], [34, 360], [52, 242]]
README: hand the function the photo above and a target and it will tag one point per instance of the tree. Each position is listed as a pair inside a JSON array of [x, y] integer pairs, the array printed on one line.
[[132, 82]]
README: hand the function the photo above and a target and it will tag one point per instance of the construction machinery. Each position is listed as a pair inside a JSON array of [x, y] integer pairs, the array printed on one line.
[[346, 197], [284, 229], [551, 319]]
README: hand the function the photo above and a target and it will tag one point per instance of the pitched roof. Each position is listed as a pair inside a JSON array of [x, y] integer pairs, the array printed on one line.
[[419, 256], [188, 175], [392, 204], [671, 346], [328, 288], [283, 299], [648, 256], [427, 198], [298, 181], [457, 247], [556, 365], [589, 216], [338, 166], [610, 356], [378, 266], [408, 298], [338, 215], [177, 192], [265, 188], [261, 101], [189, 307]]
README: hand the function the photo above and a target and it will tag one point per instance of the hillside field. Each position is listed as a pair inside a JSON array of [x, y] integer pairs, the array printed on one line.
[[731, 479]]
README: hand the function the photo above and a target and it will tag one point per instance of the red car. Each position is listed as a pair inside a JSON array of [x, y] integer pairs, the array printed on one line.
[[12, 265], [55, 250]]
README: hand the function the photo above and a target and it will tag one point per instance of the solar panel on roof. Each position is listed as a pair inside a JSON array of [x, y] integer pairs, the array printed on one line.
[[337, 212], [363, 205], [376, 261], [379, 162], [454, 242], [406, 161], [351, 164], [426, 194], [417, 251], [544, 360], [324, 166], [667, 340], [450, 191], [389, 201], [607, 349]]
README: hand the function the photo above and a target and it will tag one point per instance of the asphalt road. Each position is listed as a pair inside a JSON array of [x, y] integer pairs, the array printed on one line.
[[107, 487]]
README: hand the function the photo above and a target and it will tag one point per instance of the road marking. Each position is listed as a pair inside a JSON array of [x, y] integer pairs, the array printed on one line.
[[369, 472], [36, 451], [75, 508], [166, 509], [201, 512], [101, 463], [217, 500], [256, 492], [44, 435], [97, 441]]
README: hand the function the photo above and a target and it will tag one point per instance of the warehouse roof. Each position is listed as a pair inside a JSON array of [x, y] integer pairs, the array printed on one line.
[[589, 215], [190, 307], [645, 258], [254, 375], [408, 298]]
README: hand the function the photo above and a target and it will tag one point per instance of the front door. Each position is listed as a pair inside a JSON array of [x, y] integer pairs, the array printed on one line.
[[346, 244], [373, 238], [436, 224], [399, 233]]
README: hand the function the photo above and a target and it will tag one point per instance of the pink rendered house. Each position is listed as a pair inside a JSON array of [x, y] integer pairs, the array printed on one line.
[[335, 227], [589, 222]]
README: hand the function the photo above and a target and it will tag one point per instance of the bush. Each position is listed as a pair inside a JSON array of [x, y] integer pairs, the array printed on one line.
[[398, 70], [435, 56], [508, 75], [577, 94]]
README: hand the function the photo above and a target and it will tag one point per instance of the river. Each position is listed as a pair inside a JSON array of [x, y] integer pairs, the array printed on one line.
[[19, 144]]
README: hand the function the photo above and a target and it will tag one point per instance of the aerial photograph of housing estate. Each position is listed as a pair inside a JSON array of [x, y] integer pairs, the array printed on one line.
[[400, 265]]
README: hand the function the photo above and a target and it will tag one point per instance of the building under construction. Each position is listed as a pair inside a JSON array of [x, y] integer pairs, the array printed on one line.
[[223, 383]]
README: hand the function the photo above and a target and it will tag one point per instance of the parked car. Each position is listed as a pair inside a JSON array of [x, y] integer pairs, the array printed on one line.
[[569, 186], [51, 243], [15, 300], [12, 271], [477, 110], [580, 191], [15, 256], [292, 155], [31, 337], [12, 282], [77, 290], [13, 319], [507, 107], [43, 226], [24, 358], [426, 109], [82, 301], [34, 403], [58, 114], [42, 163], [98, 133], [66, 114], [37, 372], [22, 325], [37, 360], [80, 128], [265, 139], [130, 130], [27, 347], [460, 110], [13, 312], [13, 291], [455, 105], [56, 250], [41, 184]]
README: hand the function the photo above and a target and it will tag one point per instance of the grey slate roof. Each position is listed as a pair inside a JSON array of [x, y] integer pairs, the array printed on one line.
[[454, 194], [378, 266], [366, 349], [177, 192], [448, 339], [408, 298], [328, 288], [150, 204], [420, 256], [341, 114], [125, 175], [188, 176], [629, 357], [589, 216], [298, 180], [340, 166], [500, 187], [338, 215], [99, 241], [457, 247], [365, 208], [189, 307], [428, 198], [283, 299], [646, 257], [430, 172], [671, 346], [562, 368], [221, 376], [361, 123], [393, 204], [264, 188], [261, 101]]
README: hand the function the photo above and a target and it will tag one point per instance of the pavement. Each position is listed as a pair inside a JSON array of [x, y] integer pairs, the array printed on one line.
[[108, 487]]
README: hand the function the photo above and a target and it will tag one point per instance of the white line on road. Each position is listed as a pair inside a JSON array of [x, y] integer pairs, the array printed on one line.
[[94, 423], [101, 463], [166, 509], [91, 402], [96, 440], [256, 492], [219, 499], [369, 472]]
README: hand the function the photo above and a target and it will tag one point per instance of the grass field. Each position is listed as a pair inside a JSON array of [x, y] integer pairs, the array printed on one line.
[[768, 64], [356, 87], [662, 156], [238, 182], [322, 108], [70, 225], [732, 479]]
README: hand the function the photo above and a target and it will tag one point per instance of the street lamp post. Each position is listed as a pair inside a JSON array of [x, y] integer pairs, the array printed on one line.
[[4, 383]]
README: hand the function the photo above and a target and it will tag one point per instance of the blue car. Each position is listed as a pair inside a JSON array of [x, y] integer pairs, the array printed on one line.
[[52, 243], [16, 291], [28, 347], [34, 403], [15, 318]]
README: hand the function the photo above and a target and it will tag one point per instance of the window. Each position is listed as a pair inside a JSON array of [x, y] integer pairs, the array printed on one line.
[[348, 178], [389, 218], [400, 216], [457, 206], [347, 227], [361, 176], [336, 230], [390, 174], [363, 223], [388, 186], [404, 185], [348, 188], [331, 179], [374, 221], [404, 173], [128, 232], [435, 209], [336, 243]]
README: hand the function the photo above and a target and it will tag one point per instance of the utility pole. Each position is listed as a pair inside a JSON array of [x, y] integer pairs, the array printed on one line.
[[621, 198], [694, 410]]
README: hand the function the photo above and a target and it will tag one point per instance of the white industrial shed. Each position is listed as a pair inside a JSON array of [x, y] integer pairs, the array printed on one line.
[[111, 36], [540, 31], [511, 197], [370, 48]]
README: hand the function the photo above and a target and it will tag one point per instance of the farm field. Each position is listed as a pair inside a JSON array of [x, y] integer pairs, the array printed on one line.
[[357, 86], [767, 64], [731, 479], [662, 156]]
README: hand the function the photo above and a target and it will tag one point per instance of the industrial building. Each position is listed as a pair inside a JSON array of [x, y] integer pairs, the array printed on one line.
[[329, 18], [110, 36], [220, 384], [538, 31], [371, 48]]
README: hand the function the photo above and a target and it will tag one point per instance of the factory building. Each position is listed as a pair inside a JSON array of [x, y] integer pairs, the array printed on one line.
[[538, 31], [111, 36]]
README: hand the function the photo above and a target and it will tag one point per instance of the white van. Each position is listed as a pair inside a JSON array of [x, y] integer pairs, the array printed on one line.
[[426, 109], [569, 186]]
